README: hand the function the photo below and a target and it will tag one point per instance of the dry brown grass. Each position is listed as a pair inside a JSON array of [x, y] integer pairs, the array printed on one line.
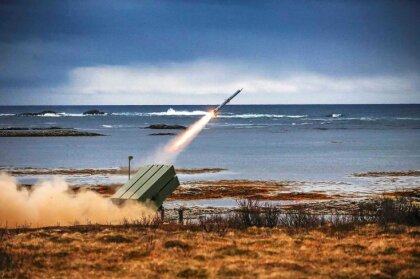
[[388, 173], [175, 251], [380, 240], [244, 189], [410, 193]]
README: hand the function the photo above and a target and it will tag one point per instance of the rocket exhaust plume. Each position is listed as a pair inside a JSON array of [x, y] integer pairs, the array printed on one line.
[[179, 143], [169, 153]]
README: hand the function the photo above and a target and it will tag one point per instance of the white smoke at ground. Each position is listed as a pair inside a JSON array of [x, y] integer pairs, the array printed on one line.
[[167, 154], [50, 203]]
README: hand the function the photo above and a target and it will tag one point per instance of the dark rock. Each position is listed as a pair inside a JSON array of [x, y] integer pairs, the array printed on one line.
[[94, 112], [163, 134], [56, 128], [47, 112], [51, 128], [166, 127], [36, 113], [28, 114], [47, 132], [14, 129]]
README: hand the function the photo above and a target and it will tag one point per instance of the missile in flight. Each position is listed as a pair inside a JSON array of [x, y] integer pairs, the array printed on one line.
[[216, 110]]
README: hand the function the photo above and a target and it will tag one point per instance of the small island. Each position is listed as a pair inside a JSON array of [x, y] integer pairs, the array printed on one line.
[[94, 112], [45, 132], [166, 127], [42, 113]]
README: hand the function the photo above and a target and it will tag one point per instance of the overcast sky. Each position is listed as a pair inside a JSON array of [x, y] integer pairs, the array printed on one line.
[[198, 52]]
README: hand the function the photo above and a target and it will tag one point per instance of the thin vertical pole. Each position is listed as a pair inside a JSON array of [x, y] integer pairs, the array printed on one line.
[[129, 166]]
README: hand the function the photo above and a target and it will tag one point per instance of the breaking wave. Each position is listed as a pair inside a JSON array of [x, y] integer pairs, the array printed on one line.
[[79, 114], [258, 115], [409, 118], [169, 112], [51, 115], [172, 112], [328, 119]]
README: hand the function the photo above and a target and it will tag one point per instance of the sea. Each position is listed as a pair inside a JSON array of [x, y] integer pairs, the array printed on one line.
[[270, 142]]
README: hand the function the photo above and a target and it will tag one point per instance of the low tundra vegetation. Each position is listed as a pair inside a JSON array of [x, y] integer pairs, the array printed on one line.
[[383, 211], [379, 239]]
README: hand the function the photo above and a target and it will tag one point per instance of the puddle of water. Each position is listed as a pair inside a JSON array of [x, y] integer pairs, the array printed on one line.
[[77, 179]]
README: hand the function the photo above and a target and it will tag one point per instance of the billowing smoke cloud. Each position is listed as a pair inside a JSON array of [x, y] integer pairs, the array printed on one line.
[[51, 203]]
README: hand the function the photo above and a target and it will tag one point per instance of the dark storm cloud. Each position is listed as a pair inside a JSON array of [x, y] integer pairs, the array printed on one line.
[[42, 41]]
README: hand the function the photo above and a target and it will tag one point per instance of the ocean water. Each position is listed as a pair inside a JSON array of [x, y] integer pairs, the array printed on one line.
[[289, 142]]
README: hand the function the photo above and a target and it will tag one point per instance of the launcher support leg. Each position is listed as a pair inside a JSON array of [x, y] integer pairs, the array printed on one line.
[[162, 212], [181, 215]]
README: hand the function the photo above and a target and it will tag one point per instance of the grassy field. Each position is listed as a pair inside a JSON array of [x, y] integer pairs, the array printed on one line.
[[378, 240], [181, 251]]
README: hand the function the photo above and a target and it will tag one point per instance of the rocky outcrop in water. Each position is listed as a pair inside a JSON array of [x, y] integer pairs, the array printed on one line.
[[166, 127], [45, 132], [44, 112], [94, 112]]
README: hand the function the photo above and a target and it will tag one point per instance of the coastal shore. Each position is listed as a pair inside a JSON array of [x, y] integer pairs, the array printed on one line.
[[202, 197], [300, 233]]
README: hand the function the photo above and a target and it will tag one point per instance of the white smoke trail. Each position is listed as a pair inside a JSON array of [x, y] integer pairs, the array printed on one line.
[[168, 153], [49, 203]]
